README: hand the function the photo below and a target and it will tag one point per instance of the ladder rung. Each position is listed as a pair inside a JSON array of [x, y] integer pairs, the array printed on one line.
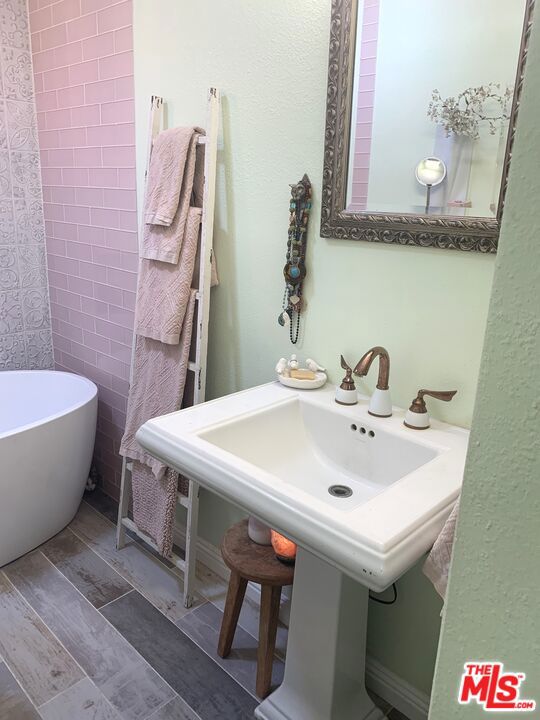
[[182, 500], [130, 525], [201, 140], [194, 367], [176, 560]]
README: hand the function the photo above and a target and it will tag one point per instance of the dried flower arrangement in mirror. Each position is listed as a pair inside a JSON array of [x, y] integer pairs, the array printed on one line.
[[462, 115]]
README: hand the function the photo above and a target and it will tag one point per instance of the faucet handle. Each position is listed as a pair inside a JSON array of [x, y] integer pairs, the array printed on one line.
[[445, 395], [417, 416], [346, 393], [344, 364], [347, 383]]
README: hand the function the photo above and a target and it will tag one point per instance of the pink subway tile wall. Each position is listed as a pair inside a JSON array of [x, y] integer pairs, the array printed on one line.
[[83, 69], [365, 102]]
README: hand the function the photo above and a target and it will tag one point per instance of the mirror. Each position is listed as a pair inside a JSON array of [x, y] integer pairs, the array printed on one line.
[[422, 104]]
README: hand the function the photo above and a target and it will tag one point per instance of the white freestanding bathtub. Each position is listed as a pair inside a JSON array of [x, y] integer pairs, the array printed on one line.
[[47, 432]]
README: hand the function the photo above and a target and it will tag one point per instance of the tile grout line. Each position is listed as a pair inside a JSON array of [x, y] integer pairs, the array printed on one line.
[[172, 571], [91, 549], [71, 687], [64, 648], [144, 660], [224, 668], [6, 663], [140, 544], [114, 599], [94, 36], [32, 703], [64, 691], [227, 672], [191, 610], [112, 626], [78, 17], [196, 715], [85, 675]]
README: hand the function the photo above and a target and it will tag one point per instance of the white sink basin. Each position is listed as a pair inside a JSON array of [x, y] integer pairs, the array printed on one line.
[[276, 452], [314, 447]]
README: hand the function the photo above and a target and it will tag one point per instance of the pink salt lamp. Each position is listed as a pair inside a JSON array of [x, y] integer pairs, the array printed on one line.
[[284, 548]]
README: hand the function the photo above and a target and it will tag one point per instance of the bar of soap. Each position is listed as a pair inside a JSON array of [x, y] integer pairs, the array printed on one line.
[[303, 374]]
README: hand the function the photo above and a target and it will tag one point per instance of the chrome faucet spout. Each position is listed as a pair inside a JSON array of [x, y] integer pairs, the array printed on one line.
[[364, 364]]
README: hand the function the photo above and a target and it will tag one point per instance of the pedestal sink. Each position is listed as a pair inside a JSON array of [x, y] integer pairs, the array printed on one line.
[[363, 497]]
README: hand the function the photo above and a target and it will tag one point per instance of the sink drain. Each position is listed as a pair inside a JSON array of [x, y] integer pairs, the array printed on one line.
[[340, 491]]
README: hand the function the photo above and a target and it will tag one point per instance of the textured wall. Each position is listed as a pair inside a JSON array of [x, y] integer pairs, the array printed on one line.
[[427, 306], [84, 94], [493, 606], [25, 335]]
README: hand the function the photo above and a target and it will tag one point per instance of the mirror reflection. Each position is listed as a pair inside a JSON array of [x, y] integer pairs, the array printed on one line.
[[432, 97]]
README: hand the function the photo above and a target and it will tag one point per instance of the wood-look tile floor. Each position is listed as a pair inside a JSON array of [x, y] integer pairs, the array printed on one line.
[[90, 633]]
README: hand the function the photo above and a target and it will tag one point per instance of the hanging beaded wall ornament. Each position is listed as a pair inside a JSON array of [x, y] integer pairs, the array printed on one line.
[[295, 267]]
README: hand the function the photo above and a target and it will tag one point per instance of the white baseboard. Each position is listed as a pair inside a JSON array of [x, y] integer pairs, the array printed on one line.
[[390, 687], [398, 692]]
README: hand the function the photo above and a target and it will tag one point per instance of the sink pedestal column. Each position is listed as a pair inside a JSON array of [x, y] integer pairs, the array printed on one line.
[[326, 651]]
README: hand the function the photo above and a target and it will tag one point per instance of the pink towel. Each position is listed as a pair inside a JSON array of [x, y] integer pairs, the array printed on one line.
[[154, 504], [164, 320], [173, 178], [437, 565], [164, 289], [157, 387], [172, 151]]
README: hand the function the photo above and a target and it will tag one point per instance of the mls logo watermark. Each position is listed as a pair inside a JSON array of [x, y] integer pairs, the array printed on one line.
[[487, 684]]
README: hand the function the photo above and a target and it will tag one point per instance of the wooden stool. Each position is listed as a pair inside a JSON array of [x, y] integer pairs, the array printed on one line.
[[249, 562]]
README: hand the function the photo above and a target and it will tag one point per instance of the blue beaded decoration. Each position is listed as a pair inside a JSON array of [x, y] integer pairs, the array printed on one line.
[[295, 268]]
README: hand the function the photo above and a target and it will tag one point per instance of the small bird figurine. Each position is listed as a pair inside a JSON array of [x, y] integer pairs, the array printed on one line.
[[293, 363], [314, 366], [281, 365]]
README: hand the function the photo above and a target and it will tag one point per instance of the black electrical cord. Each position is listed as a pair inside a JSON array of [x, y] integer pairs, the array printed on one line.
[[385, 602]]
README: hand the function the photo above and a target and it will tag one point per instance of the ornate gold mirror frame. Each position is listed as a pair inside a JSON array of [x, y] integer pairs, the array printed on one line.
[[457, 233]]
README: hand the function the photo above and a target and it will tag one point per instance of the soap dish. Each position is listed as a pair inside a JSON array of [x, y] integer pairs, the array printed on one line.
[[319, 381]]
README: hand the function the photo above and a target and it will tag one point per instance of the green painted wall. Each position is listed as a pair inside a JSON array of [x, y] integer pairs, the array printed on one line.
[[493, 609], [428, 307]]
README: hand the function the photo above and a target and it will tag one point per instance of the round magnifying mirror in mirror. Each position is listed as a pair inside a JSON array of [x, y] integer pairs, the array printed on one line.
[[429, 172]]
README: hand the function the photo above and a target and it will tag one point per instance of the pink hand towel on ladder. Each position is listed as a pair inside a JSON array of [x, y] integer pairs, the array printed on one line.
[[173, 177], [164, 320], [163, 288], [157, 388]]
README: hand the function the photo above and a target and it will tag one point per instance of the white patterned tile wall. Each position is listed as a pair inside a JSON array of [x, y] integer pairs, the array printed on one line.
[[25, 324]]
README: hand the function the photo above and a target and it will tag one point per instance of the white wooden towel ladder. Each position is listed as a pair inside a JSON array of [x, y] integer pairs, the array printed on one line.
[[196, 384]]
